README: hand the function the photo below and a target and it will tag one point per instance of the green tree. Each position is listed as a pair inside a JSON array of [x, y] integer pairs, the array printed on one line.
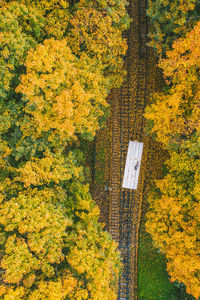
[[55, 12], [170, 20], [21, 29]]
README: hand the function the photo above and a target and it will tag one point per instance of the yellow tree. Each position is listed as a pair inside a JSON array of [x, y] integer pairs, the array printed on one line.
[[97, 30], [174, 118], [52, 244], [62, 93], [175, 114], [92, 27], [174, 219], [48, 220]]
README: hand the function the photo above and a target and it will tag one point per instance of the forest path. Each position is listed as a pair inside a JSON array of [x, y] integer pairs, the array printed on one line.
[[121, 208]]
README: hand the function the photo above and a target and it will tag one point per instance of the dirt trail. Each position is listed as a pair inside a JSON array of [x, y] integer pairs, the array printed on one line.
[[120, 208]]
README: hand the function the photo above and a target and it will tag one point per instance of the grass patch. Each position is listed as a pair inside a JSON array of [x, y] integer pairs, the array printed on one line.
[[153, 279]]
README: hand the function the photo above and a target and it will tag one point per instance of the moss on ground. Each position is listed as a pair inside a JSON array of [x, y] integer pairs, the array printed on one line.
[[153, 279]]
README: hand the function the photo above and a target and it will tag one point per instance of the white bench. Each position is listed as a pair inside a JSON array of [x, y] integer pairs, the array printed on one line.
[[132, 167]]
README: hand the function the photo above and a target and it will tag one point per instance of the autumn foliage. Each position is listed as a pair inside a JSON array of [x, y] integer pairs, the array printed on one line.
[[96, 28], [62, 92], [53, 96], [170, 19], [178, 107], [51, 239], [173, 219]]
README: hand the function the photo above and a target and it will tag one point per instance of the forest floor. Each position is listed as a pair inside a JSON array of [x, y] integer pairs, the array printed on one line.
[[121, 209], [153, 279]]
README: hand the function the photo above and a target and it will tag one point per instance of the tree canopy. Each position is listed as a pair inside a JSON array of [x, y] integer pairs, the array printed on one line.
[[174, 119], [61, 92], [95, 30], [53, 95], [173, 219], [170, 20], [178, 106], [21, 29], [53, 244]]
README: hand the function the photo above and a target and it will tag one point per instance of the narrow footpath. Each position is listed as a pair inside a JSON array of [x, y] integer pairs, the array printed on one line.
[[121, 208]]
